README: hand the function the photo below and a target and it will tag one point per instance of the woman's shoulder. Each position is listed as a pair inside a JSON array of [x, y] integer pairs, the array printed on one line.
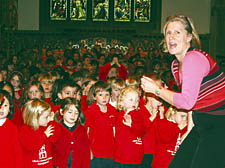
[[195, 58], [197, 55]]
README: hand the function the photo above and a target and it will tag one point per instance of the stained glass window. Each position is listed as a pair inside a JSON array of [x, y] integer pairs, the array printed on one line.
[[58, 9], [100, 10], [142, 10], [122, 10], [78, 9]]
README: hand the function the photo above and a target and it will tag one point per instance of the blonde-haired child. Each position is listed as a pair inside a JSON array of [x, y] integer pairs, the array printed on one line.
[[11, 155], [129, 149], [100, 123], [169, 132], [36, 136], [116, 85], [72, 149]]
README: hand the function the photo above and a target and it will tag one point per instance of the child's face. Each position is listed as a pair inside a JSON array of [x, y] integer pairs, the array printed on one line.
[[34, 92], [70, 62], [1, 77], [130, 101], [4, 73], [102, 98], [47, 85], [68, 91], [113, 73], [75, 56], [4, 109], [101, 60], [180, 117], [44, 118], [79, 65], [15, 81], [115, 93], [70, 115]]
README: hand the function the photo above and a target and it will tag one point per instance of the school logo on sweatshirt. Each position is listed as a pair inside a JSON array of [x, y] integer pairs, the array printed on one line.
[[42, 153], [138, 141], [178, 143], [43, 157]]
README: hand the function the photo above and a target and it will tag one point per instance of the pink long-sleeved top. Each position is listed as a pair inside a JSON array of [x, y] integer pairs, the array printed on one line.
[[195, 66]]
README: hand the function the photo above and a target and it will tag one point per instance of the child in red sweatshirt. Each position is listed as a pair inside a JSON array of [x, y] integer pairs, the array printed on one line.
[[100, 123], [36, 136], [72, 149], [129, 149], [11, 155], [169, 133]]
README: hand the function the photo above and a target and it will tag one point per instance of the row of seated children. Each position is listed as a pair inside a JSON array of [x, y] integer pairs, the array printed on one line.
[[126, 136]]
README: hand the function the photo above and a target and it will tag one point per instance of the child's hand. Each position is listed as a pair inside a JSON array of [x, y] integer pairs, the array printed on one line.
[[161, 112], [153, 115], [127, 120], [49, 131]]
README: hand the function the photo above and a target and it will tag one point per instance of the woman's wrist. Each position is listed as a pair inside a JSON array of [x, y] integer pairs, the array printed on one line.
[[158, 91]]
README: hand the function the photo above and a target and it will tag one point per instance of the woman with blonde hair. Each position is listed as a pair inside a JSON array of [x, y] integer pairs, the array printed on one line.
[[202, 86]]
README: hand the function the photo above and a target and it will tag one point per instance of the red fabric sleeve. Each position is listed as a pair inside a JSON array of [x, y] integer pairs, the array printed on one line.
[[84, 105], [86, 150], [122, 72], [137, 124], [103, 72], [56, 133]]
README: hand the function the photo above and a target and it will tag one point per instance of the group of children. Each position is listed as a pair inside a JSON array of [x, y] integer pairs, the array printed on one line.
[[81, 124]]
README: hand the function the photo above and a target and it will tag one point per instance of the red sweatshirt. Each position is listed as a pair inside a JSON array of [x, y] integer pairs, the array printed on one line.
[[37, 148], [168, 141], [18, 116], [84, 105], [76, 142], [129, 148], [11, 155], [101, 134], [149, 137], [103, 72]]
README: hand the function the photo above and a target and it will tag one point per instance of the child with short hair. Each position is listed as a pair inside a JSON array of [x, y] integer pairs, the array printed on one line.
[[129, 149], [11, 155], [36, 136], [116, 85], [169, 132], [63, 88], [100, 122], [72, 149]]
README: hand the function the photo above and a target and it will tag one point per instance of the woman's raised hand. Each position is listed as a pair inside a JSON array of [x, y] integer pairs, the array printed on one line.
[[148, 85]]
